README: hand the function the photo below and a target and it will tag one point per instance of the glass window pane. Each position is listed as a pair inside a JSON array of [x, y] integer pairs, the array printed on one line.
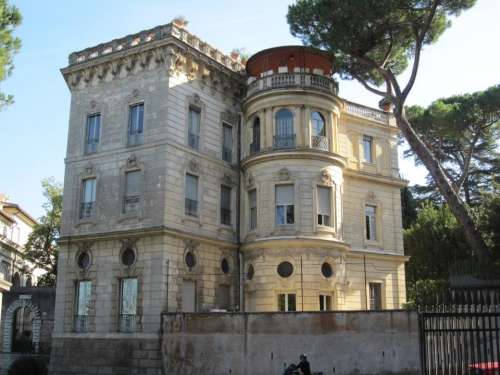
[[281, 302], [89, 190], [225, 199], [367, 148], [252, 198], [194, 127], [191, 187], [324, 201], [370, 222], [129, 296], [136, 119], [284, 122], [132, 184], [84, 292], [289, 215], [291, 303], [318, 124], [227, 132], [256, 134], [284, 195], [280, 215]]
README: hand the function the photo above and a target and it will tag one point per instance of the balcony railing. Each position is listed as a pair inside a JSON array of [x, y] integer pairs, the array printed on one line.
[[320, 142], [81, 323], [284, 141], [191, 207], [366, 112], [131, 203], [293, 80], [128, 323], [86, 209]]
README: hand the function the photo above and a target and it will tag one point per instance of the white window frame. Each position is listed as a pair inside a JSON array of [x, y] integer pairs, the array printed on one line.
[[136, 139], [194, 108], [87, 150], [231, 156], [371, 223], [368, 139], [287, 294], [285, 206], [368, 291], [197, 214], [323, 297]]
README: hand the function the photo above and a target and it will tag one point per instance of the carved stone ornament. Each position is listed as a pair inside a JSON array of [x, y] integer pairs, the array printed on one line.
[[128, 243], [84, 246], [284, 174], [191, 244], [371, 197], [93, 104], [135, 93], [194, 165], [229, 117], [89, 169], [250, 180], [171, 57], [326, 177], [132, 161], [196, 100], [100, 71], [227, 180]]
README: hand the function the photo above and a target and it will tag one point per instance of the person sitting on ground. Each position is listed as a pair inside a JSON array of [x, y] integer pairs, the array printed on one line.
[[303, 366]]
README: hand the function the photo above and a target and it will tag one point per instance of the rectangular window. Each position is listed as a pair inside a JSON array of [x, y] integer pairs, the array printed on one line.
[[325, 302], [371, 222], [223, 297], [83, 294], [252, 202], [286, 302], [132, 196], [227, 143], [324, 205], [284, 204], [92, 133], [136, 124], [194, 128], [368, 148], [128, 304], [225, 205], [88, 198], [191, 203], [375, 296]]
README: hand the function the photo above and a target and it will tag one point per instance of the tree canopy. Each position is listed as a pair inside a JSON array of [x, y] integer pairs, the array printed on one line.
[[462, 132], [373, 41], [10, 17], [41, 247]]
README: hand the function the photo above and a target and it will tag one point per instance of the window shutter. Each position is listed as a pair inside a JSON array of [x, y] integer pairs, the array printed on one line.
[[284, 195], [324, 201]]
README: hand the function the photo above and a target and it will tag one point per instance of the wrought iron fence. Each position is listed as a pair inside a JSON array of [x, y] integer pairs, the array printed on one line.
[[320, 142], [81, 323], [128, 323]]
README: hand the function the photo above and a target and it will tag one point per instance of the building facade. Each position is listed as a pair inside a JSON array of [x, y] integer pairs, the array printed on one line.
[[195, 182]]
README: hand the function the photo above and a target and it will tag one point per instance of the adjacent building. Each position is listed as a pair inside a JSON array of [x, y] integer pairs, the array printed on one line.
[[196, 182]]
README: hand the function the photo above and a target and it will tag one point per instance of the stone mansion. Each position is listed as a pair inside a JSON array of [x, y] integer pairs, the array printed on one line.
[[198, 182]]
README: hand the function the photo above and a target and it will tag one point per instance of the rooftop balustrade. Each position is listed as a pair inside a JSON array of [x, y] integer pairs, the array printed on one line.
[[293, 81]]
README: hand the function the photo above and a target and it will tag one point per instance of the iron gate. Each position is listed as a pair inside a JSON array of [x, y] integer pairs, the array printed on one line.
[[460, 334]]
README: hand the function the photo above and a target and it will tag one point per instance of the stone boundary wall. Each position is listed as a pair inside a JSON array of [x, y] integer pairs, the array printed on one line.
[[382, 342]]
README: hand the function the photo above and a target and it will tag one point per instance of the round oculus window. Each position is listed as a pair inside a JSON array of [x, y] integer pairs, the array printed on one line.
[[285, 269], [190, 259], [83, 260], [224, 265], [250, 272], [326, 270], [128, 257]]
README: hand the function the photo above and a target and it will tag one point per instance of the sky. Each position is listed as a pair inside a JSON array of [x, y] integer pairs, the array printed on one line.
[[34, 129]]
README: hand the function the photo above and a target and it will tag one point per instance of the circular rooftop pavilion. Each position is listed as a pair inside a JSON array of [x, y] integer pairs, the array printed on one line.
[[289, 59]]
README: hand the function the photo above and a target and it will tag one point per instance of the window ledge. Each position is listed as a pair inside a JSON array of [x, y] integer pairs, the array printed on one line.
[[325, 229], [128, 216], [373, 243], [86, 221], [192, 219]]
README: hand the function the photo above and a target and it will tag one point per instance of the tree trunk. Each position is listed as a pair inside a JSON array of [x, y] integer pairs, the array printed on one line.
[[451, 197]]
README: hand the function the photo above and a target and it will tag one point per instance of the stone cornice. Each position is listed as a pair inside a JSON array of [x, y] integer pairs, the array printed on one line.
[[295, 241], [142, 232], [311, 154], [168, 46], [376, 178]]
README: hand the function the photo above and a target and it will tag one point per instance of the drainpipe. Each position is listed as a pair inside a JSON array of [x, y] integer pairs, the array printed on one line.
[[238, 213]]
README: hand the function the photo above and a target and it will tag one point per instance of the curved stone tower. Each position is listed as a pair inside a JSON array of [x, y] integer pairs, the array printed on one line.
[[295, 158]]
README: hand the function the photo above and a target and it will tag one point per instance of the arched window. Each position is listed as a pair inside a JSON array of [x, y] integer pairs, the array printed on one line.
[[22, 335], [29, 282], [318, 124], [16, 280], [284, 136], [4, 269], [255, 146]]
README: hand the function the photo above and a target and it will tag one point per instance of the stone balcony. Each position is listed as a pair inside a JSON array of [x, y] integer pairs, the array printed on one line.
[[293, 81], [362, 111]]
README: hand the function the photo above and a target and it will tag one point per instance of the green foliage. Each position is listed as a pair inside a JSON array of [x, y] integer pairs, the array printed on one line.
[[488, 219], [423, 293], [365, 34], [462, 132], [433, 242], [408, 207], [41, 247], [9, 44]]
